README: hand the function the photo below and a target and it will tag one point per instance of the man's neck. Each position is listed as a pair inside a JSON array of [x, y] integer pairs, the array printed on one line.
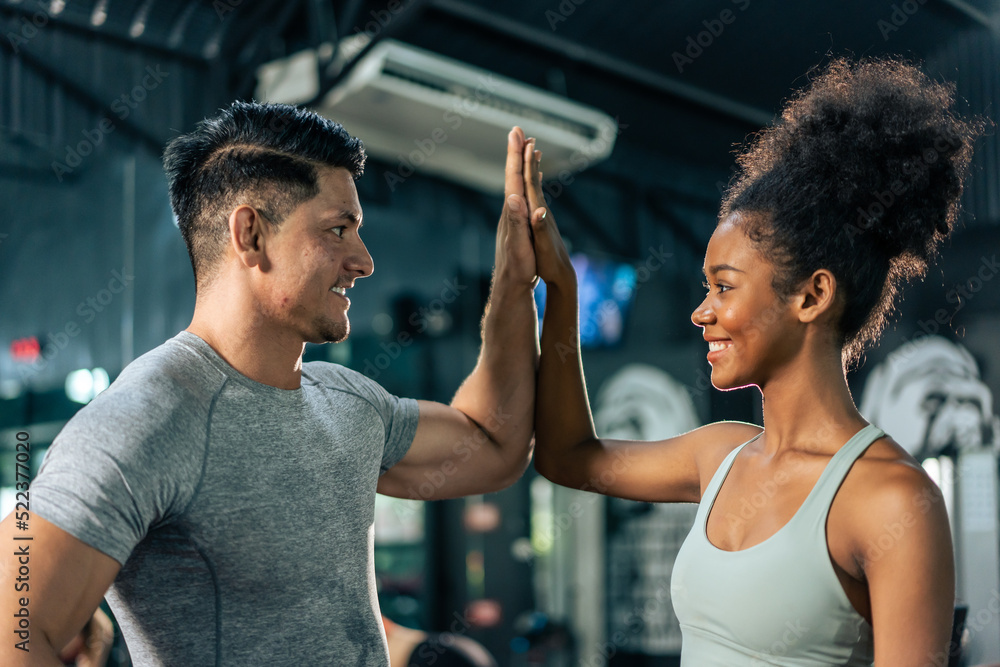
[[243, 339]]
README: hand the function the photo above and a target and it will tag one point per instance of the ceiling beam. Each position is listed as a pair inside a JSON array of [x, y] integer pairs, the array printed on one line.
[[349, 16], [76, 91], [250, 58], [244, 25], [398, 22], [975, 15], [28, 11], [180, 26]]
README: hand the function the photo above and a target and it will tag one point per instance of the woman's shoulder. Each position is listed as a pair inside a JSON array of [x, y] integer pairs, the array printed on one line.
[[717, 440], [888, 490], [728, 435], [886, 470]]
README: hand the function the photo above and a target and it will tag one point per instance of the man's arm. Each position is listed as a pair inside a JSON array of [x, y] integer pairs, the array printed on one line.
[[58, 579], [482, 441]]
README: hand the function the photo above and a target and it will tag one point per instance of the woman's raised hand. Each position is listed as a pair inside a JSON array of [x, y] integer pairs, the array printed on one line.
[[551, 257]]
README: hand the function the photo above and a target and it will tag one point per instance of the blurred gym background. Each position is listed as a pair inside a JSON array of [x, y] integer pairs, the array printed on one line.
[[638, 106]]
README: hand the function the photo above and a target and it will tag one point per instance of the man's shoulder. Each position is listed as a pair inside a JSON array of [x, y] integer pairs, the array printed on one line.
[[334, 376], [327, 376], [174, 367], [171, 379], [161, 402]]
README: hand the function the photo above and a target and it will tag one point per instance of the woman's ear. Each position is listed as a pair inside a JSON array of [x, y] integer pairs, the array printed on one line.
[[817, 296], [247, 235]]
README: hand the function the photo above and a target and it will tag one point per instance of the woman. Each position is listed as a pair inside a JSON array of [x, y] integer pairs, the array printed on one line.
[[819, 540]]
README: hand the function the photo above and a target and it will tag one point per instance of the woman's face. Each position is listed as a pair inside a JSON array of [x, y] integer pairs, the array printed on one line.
[[750, 331]]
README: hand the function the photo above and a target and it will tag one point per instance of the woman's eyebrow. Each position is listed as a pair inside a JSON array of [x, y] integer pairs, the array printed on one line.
[[723, 267]]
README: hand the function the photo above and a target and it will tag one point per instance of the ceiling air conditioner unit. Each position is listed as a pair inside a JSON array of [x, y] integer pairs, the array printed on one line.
[[419, 111]]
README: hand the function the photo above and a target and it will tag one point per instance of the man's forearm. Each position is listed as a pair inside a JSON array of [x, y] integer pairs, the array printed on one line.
[[499, 394]]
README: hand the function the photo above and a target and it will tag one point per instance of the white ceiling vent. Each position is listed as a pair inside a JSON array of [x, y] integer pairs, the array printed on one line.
[[419, 111]]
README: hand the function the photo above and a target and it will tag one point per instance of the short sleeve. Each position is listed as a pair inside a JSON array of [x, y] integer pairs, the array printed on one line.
[[405, 416], [399, 415], [127, 462]]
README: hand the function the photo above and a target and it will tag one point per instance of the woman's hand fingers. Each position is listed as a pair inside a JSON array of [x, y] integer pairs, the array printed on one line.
[[551, 258], [532, 176]]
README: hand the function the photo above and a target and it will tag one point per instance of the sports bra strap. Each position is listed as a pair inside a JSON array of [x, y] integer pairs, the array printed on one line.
[[823, 493]]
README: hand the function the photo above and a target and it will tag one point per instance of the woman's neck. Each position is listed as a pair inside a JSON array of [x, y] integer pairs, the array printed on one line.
[[808, 405]]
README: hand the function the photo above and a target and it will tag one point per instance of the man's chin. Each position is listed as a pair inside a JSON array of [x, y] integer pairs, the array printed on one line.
[[335, 334], [337, 338]]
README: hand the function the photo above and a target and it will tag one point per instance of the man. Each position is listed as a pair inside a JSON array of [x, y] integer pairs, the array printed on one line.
[[221, 488]]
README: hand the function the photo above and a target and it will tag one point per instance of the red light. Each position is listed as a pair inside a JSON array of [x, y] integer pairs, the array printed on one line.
[[26, 350]]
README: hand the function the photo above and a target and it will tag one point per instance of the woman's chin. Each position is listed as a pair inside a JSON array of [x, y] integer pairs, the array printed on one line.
[[725, 382]]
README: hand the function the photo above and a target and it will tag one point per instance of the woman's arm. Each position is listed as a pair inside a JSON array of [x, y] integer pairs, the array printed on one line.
[[567, 449], [911, 582]]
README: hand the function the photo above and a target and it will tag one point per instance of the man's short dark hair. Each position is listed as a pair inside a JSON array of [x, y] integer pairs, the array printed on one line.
[[263, 155]]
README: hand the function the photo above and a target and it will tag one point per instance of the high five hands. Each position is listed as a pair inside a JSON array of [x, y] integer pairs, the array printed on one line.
[[515, 238]]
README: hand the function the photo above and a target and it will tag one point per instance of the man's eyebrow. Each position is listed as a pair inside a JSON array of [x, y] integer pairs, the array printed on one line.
[[723, 267], [349, 215]]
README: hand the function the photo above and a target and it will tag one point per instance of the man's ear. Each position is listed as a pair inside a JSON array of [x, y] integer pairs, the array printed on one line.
[[247, 235], [817, 296]]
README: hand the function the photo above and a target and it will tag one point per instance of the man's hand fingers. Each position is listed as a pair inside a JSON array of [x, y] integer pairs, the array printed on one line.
[[513, 217], [514, 171], [515, 208], [515, 256]]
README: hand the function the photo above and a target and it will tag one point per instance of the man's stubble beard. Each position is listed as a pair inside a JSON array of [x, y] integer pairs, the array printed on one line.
[[333, 332]]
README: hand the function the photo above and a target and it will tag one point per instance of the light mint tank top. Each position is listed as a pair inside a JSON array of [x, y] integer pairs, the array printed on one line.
[[775, 603]]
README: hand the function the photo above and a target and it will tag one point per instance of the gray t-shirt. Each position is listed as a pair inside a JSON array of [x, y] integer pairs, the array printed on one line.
[[242, 513]]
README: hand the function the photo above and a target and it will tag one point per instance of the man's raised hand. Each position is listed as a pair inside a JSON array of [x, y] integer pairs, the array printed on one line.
[[515, 258]]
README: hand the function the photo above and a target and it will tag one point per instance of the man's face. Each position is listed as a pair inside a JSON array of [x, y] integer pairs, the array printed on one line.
[[313, 257]]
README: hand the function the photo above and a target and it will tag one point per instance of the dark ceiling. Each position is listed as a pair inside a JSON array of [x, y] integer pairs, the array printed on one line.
[[688, 82], [689, 79]]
